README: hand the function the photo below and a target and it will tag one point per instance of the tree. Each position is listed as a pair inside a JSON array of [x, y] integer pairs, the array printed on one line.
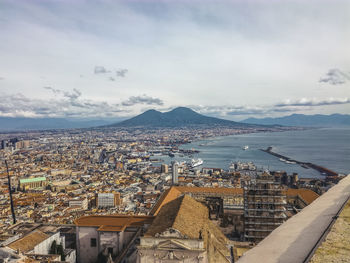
[[57, 250], [53, 249], [102, 258], [61, 252]]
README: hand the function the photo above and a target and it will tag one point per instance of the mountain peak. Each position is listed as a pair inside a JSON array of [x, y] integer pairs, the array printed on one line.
[[152, 111], [182, 110], [178, 117]]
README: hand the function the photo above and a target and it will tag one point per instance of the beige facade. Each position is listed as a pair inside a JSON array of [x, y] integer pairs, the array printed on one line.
[[81, 202], [171, 246], [32, 183]]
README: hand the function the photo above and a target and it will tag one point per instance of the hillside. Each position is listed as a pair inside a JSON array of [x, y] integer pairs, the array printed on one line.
[[317, 120]]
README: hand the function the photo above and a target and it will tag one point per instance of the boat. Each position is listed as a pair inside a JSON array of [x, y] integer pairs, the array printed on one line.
[[290, 162], [171, 154], [196, 162], [245, 147]]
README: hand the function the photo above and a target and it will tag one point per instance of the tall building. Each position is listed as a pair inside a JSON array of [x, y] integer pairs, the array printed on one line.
[[164, 168], [174, 172], [264, 207], [19, 145], [4, 144]]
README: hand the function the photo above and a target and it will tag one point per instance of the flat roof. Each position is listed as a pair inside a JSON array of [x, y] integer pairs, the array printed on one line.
[[32, 180]]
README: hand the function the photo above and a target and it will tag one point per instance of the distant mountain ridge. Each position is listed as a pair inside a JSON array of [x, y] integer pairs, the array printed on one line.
[[21, 123], [178, 117], [316, 120]]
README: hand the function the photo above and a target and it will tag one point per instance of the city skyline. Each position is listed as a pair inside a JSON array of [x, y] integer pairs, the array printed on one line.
[[228, 59]]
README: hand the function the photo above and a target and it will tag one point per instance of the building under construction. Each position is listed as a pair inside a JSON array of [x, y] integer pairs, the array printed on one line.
[[264, 207]]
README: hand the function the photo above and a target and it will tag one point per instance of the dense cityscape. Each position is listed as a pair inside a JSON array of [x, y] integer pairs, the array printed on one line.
[[190, 131], [60, 179]]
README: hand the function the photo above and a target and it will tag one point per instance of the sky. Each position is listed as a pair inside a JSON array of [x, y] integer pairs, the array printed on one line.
[[230, 59]]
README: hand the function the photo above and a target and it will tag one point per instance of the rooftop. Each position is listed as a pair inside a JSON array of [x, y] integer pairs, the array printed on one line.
[[306, 194], [113, 222], [179, 214], [190, 217], [175, 191], [28, 242], [32, 180]]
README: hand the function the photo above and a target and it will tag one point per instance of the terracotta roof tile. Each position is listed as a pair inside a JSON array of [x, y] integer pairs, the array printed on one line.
[[189, 217], [169, 195], [306, 194], [28, 242], [113, 222], [176, 191]]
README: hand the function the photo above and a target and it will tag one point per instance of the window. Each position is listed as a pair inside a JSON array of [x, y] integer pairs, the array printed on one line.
[[93, 242]]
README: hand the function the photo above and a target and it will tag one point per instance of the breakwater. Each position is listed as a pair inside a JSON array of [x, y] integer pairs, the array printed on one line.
[[306, 165]]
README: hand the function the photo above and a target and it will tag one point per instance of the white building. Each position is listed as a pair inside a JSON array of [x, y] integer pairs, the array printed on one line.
[[174, 172], [112, 234], [80, 202], [39, 243]]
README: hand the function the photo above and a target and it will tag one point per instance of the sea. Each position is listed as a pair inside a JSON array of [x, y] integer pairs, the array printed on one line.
[[327, 147]]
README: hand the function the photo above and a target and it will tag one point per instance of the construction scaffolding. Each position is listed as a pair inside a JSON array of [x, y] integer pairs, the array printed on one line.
[[264, 207]]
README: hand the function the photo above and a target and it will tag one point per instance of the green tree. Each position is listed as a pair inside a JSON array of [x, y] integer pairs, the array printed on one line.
[[61, 252], [53, 249]]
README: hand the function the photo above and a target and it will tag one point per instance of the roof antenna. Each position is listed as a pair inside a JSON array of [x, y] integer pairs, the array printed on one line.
[[10, 192]]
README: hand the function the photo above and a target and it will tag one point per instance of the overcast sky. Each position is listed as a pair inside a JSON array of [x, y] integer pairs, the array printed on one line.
[[231, 59]]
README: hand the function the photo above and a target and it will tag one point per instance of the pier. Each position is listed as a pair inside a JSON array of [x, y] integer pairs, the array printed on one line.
[[306, 165]]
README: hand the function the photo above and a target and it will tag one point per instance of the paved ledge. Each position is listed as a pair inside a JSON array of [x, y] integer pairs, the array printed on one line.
[[292, 241]]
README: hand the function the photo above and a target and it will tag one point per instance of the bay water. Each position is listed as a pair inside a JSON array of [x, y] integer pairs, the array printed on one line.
[[327, 147]]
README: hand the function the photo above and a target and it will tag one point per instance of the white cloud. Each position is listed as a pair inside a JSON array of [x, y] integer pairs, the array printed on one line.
[[70, 104], [144, 99]]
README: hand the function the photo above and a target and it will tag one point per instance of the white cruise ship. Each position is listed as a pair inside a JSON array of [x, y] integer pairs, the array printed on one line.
[[196, 162]]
